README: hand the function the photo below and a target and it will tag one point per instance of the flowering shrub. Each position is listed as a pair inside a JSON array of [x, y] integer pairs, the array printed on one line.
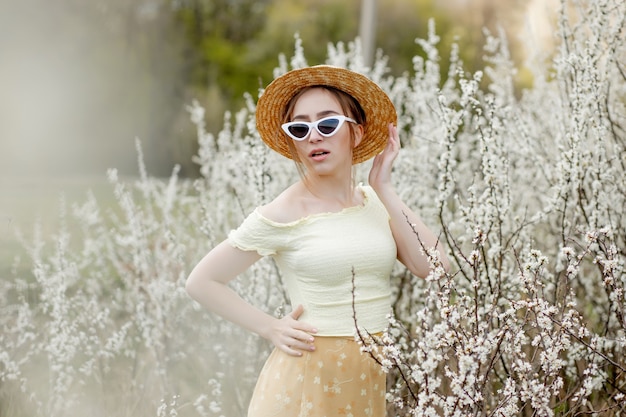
[[528, 189]]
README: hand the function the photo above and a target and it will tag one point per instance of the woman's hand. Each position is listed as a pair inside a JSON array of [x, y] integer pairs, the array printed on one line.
[[292, 336], [409, 232], [380, 174]]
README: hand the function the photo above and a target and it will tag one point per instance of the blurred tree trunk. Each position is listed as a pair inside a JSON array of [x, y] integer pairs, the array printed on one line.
[[368, 30]]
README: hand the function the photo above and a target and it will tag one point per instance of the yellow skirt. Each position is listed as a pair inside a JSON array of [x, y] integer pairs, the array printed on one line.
[[335, 380]]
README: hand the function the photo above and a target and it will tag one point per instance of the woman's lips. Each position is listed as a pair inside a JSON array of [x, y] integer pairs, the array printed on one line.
[[319, 154]]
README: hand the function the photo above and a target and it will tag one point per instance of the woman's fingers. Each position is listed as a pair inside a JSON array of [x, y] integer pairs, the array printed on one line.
[[296, 347], [297, 344], [305, 327], [380, 174], [295, 314], [295, 336], [393, 144]]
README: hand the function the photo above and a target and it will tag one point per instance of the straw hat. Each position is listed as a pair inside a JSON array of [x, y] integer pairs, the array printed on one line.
[[378, 108]]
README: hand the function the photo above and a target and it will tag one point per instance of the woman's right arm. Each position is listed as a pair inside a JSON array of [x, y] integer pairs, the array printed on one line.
[[207, 284]]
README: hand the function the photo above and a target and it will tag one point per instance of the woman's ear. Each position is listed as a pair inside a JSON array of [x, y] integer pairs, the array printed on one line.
[[357, 136]]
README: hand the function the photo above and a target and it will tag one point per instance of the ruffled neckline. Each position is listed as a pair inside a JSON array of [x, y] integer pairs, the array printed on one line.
[[321, 215]]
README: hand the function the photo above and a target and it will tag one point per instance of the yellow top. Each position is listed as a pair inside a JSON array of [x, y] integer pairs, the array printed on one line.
[[317, 256]]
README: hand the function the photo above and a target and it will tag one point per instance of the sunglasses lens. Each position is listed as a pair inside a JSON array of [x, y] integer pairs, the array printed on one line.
[[299, 131], [328, 126]]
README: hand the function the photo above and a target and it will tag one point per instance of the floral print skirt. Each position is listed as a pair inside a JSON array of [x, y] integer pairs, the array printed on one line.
[[335, 380]]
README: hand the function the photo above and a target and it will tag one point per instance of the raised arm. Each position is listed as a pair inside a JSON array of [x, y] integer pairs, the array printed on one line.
[[403, 219], [207, 284]]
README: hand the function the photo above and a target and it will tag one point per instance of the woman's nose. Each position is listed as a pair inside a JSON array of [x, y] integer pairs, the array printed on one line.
[[315, 136]]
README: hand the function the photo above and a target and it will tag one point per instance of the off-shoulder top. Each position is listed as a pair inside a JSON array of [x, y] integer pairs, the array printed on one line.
[[322, 256]]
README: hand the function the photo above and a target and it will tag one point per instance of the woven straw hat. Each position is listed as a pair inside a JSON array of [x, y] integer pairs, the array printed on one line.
[[378, 108]]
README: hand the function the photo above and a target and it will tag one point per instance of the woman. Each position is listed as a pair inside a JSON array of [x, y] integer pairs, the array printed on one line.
[[335, 243]]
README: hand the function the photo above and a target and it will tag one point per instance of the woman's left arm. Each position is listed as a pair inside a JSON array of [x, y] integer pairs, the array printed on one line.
[[404, 222]]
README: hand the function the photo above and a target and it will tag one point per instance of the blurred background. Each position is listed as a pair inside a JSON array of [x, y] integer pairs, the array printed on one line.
[[81, 79]]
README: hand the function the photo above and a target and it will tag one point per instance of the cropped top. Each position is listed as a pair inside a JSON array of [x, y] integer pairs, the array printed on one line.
[[328, 258]]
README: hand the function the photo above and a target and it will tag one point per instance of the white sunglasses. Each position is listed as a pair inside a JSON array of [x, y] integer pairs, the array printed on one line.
[[326, 127]]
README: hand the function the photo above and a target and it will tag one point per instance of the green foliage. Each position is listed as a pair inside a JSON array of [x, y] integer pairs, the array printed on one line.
[[399, 24], [218, 34], [316, 22], [233, 45], [117, 70]]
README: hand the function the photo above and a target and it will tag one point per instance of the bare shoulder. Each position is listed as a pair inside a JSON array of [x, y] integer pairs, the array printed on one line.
[[285, 208]]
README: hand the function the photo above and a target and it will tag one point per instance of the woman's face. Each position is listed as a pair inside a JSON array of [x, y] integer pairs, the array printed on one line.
[[319, 154]]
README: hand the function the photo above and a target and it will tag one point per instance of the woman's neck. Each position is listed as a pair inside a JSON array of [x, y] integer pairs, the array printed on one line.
[[339, 190]]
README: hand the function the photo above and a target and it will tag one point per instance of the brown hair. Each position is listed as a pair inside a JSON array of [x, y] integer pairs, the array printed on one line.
[[348, 104]]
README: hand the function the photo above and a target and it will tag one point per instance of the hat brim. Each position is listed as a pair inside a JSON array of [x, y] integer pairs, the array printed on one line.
[[378, 108]]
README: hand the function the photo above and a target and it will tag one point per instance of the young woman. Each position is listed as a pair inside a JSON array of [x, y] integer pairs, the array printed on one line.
[[335, 244]]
